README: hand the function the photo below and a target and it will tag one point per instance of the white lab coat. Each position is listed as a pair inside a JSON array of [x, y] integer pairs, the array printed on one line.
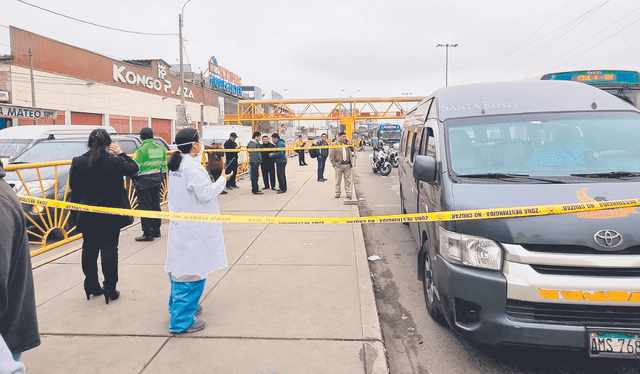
[[194, 248]]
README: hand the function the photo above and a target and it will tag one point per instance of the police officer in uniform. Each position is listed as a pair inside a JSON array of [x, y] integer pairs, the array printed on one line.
[[152, 160]]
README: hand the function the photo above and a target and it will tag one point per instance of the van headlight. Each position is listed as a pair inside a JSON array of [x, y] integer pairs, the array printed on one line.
[[470, 250], [34, 187]]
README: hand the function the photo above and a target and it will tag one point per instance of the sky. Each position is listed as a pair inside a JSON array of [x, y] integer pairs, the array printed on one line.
[[340, 48]]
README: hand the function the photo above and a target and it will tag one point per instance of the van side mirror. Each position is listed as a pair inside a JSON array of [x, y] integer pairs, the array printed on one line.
[[424, 168]]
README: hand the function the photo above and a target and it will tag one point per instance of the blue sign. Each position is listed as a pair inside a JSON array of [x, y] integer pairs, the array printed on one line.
[[223, 84]]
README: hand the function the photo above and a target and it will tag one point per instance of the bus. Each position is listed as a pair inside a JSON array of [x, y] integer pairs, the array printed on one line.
[[623, 84], [385, 134]]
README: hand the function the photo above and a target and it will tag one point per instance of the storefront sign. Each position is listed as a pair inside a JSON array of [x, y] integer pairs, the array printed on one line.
[[223, 78], [20, 112], [160, 84]]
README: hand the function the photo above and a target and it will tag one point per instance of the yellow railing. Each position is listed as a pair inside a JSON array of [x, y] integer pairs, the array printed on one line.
[[53, 227]]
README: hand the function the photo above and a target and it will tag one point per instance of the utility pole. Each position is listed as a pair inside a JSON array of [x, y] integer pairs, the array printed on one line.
[[182, 110], [33, 91], [201, 98], [446, 76]]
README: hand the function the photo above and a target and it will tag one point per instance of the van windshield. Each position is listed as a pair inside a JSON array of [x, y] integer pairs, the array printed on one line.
[[558, 144]]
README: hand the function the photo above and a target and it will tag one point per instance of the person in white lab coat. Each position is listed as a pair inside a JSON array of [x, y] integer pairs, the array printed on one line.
[[194, 249]]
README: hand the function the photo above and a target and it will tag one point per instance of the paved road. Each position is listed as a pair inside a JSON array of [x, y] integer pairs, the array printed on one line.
[[414, 342]]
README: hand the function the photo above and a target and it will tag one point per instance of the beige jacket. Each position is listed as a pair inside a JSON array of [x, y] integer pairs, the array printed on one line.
[[335, 155]]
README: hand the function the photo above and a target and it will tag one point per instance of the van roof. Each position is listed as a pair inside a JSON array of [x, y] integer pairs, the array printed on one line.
[[523, 97], [38, 131]]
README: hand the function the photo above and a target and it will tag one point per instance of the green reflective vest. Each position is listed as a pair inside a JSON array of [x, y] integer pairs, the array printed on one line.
[[151, 157]]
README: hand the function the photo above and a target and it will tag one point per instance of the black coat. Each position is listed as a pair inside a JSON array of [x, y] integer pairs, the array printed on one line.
[[101, 185], [265, 154], [230, 144], [18, 322]]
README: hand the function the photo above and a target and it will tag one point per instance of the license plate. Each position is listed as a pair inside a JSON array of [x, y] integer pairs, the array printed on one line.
[[614, 344]]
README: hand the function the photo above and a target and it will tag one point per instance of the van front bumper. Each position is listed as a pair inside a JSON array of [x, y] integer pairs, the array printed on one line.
[[474, 303]]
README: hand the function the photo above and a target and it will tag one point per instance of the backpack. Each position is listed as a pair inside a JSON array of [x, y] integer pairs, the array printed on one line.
[[313, 153]]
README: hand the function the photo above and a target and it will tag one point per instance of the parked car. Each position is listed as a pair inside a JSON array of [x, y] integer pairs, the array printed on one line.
[[17, 139], [55, 148]]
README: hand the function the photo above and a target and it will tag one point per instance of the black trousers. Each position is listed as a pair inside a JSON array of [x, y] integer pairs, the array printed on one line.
[[255, 170], [215, 174], [103, 241], [301, 157], [231, 167], [282, 178], [149, 199], [268, 174]]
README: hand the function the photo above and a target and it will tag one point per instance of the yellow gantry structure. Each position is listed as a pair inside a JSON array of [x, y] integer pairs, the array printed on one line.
[[347, 111]]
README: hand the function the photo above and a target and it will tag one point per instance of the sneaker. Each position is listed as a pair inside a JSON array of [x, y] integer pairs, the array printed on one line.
[[196, 326], [223, 192], [321, 180], [337, 195], [199, 310]]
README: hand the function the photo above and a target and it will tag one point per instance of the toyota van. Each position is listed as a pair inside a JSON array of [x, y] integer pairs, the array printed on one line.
[[570, 280]]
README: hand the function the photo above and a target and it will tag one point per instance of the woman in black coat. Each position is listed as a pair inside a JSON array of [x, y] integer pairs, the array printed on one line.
[[96, 178]]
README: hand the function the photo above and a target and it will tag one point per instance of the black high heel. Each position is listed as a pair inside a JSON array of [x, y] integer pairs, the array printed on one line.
[[111, 294], [97, 292]]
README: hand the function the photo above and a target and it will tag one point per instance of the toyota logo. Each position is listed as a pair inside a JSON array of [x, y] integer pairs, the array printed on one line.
[[608, 239]]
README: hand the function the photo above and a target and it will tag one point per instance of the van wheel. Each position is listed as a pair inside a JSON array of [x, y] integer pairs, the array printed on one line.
[[428, 285], [385, 169]]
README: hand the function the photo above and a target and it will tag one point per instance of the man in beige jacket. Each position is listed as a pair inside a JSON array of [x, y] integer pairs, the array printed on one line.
[[342, 161]]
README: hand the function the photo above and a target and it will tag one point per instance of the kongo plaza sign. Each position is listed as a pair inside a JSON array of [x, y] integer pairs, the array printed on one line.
[[159, 83]]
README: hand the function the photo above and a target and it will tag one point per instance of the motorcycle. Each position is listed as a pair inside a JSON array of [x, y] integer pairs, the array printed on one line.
[[393, 157], [380, 162]]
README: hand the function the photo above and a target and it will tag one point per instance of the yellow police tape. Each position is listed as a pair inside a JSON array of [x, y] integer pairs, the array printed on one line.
[[512, 212], [274, 149]]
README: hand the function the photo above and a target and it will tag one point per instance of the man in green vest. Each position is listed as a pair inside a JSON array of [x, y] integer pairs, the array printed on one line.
[[152, 159]]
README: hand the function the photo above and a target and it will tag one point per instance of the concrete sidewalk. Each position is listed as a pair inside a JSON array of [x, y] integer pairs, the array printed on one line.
[[295, 298]]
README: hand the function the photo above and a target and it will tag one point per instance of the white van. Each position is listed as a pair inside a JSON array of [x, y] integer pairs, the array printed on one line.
[[569, 280], [15, 140]]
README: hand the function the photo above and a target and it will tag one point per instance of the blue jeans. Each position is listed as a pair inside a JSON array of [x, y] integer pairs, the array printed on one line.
[[183, 303], [321, 163]]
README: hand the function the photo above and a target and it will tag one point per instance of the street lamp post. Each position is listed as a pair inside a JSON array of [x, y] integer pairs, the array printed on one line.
[[406, 105], [352, 120], [447, 61]]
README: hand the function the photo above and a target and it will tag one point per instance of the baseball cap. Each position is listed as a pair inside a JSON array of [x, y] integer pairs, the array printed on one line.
[[146, 131], [233, 135]]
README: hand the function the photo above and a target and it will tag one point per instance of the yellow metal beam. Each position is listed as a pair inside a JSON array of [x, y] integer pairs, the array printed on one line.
[[356, 109]]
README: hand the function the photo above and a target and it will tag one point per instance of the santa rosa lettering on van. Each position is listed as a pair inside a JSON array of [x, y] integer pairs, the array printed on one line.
[[485, 105]]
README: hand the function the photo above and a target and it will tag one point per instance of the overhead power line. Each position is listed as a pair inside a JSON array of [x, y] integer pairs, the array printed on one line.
[[567, 28], [94, 24], [523, 44]]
